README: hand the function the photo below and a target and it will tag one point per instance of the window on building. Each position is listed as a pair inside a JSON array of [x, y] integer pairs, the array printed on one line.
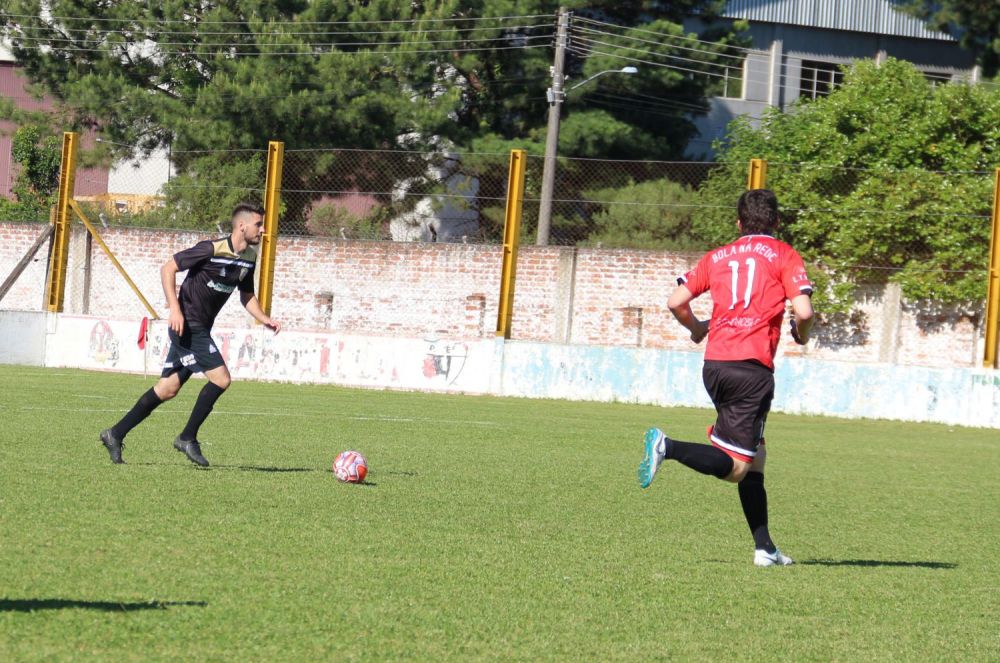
[[819, 78], [732, 83]]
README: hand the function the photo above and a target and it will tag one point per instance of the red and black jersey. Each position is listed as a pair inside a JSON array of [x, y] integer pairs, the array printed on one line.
[[214, 270], [750, 280]]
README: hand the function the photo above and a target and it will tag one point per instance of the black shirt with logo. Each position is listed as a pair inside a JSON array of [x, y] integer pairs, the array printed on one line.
[[214, 270]]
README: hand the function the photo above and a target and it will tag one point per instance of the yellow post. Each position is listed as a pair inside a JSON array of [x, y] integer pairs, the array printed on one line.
[[993, 285], [272, 203], [55, 289], [757, 178], [511, 237], [111, 256]]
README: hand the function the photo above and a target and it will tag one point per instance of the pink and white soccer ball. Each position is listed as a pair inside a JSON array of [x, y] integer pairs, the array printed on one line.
[[350, 467]]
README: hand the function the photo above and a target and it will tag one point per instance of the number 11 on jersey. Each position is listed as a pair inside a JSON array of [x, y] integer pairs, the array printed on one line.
[[734, 266]]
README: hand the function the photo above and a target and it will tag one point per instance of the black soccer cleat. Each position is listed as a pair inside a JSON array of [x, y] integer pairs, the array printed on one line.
[[114, 445], [192, 450]]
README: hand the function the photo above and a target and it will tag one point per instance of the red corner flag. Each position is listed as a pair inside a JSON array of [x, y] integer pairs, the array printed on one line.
[[143, 333]]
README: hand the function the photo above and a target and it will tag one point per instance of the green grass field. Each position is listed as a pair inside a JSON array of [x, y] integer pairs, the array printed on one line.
[[492, 529]]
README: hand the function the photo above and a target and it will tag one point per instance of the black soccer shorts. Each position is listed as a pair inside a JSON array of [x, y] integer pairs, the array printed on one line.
[[194, 351], [742, 392]]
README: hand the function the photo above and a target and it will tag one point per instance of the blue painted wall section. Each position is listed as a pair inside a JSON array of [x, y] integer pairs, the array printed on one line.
[[960, 396]]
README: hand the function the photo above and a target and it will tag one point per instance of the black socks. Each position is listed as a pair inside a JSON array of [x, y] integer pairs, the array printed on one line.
[[202, 407], [148, 402], [711, 460], [753, 497], [702, 458]]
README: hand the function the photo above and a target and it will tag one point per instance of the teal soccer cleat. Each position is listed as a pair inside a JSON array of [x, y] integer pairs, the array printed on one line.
[[655, 449]]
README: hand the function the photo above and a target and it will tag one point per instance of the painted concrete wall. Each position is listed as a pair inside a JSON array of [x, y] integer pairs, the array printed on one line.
[[963, 396], [432, 363], [23, 338]]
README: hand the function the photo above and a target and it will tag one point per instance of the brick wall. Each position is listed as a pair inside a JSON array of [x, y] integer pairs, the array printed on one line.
[[582, 296], [28, 291]]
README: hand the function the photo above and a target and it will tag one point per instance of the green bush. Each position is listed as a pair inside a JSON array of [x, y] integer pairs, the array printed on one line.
[[650, 215]]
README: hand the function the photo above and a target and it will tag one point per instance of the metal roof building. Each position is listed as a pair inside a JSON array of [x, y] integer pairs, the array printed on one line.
[[880, 17]]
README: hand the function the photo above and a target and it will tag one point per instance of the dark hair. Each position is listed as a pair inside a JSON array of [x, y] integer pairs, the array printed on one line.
[[758, 212], [253, 208]]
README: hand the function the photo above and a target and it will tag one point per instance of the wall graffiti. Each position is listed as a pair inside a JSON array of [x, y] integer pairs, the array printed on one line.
[[444, 359], [105, 348]]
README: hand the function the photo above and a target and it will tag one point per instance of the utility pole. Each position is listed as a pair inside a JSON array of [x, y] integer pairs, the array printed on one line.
[[555, 95]]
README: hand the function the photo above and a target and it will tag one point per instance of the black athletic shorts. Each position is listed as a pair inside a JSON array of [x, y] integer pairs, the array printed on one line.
[[193, 352], [742, 392]]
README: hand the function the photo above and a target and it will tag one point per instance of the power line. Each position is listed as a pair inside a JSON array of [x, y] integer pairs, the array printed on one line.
[[642, 103], [747, 51], [197, 44], [586, 31], [588, 41], [586, 51], [308, 53], [100, 19], [231, 33], [633, 108], [583, 53], [658, 34]]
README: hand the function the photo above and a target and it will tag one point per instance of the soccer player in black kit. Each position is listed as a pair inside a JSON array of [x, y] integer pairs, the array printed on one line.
[[214, 269]]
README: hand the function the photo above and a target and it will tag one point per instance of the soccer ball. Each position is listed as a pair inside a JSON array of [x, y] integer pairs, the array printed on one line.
[[350, 467]]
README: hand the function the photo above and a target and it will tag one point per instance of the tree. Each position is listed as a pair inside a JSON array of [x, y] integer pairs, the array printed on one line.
[[975, 23], [651, 215], [886, 179], [385, 74], [37, 156]]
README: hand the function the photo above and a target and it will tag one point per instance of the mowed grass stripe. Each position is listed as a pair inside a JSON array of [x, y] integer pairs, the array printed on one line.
[[492, 529]]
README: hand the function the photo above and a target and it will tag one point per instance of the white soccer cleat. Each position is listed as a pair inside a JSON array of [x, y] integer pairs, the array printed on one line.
[[777, 558]]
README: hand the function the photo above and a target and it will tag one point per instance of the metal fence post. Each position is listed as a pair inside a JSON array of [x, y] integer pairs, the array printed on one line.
[[272, 203], [993, 283], [511, 237], [757, 178], [55, 287]]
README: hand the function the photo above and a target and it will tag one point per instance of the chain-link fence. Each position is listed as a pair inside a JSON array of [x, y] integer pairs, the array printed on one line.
[[394, 195], [365, 237], [26, 292], [621, 204], [928, 231]]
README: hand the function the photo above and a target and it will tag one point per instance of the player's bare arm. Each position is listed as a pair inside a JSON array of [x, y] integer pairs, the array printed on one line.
[[252, 306], [680, 305], [168, 276], [802, 319]]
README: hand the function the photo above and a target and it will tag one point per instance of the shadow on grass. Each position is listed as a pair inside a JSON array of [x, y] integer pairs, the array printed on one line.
[[31, 605], [878, 562], [242, 468], [259, 468]]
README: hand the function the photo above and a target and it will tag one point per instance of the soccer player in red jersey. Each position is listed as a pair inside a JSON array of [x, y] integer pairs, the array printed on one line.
[[749, 281]]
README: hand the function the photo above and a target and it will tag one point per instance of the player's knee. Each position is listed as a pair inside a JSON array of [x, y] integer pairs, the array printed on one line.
[[222, 381], [740, 470], [167, 389]]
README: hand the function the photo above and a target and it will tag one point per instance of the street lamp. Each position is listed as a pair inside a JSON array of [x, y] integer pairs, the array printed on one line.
[[623, 70], [556, 95]]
